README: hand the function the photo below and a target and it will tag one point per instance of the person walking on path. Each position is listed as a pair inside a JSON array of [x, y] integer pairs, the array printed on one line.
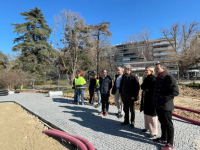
[[80, 86], [105, 86], [165, 90], [98, 91], [92, 86], [129, 89], [150, 116], [115, 91]]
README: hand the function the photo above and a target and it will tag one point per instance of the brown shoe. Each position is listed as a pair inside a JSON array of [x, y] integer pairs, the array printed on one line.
[[100, 113], [106, 113]]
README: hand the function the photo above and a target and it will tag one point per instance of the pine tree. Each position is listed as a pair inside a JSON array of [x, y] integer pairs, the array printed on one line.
[[36, 52], [3, 60]]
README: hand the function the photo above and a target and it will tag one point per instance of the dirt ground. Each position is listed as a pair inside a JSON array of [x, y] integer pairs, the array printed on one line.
[[20, 130], [23, 131]]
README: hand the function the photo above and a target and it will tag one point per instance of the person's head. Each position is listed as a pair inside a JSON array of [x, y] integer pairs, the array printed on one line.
[[79, 73], [91, 75], [149, 71], [98, 75], [159, 68], [127, 69], [104, 72], [119, 70]]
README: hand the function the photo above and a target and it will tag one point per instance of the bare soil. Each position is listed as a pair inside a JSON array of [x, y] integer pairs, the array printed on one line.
[[21, 131]]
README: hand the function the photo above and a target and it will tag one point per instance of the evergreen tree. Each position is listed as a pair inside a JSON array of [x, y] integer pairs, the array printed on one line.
[[36, 53], [3, 60]]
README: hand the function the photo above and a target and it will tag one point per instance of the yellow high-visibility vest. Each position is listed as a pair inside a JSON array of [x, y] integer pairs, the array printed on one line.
[[80, 81], [97, 83]]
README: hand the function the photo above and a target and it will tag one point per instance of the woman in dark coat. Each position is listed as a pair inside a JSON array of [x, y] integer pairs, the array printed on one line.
[[150, 116]]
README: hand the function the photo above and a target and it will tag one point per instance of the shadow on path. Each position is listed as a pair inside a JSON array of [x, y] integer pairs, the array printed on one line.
[[103, 124]]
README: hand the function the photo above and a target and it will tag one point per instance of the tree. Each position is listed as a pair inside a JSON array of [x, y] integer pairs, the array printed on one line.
[[140, 44], [100, 33], [3, 60], [75, 41], [36, 52], [184, 52]]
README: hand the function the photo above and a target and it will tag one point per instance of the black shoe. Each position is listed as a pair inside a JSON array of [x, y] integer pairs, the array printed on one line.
[[151, 135], [97, 105], [124, 123], [132, 126], [144, 130], [120, 116]]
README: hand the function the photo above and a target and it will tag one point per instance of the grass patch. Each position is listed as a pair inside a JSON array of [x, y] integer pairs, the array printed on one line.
[[193, 84], [71, 90]]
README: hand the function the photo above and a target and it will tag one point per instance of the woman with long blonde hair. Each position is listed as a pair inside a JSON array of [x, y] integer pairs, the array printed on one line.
[[150, 116]]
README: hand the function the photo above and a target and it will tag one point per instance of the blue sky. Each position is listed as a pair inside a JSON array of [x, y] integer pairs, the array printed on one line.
[[125, 16]]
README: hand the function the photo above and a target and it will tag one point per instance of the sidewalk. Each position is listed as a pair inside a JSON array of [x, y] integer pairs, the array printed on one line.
[[105, 133]]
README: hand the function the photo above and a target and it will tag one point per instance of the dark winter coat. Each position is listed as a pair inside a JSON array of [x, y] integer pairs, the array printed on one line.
[[133, 83], [147, 95], [105, 85], [114, 86], [165, 90], [92, 83]]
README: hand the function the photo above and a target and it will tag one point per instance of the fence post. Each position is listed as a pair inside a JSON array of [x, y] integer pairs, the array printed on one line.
[[58, 80]]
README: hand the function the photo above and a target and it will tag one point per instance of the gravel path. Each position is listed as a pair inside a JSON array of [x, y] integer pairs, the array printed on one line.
[[105, 133]]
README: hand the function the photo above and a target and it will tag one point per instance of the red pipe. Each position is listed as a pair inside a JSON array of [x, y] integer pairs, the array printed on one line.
[[71, 139], [188, 109], [187, 119], [89, 145]]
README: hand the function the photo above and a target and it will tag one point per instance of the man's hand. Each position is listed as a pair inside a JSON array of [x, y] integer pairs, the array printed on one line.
[[132, 98]]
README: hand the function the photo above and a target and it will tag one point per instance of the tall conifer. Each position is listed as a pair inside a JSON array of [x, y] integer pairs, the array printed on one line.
[[36, 52]]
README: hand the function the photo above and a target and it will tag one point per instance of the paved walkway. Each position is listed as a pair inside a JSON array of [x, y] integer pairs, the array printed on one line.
[[105, 133]]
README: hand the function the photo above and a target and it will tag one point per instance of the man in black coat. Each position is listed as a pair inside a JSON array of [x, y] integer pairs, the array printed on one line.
[[92, 85], [165, 90], [105, 86], [129, 89]]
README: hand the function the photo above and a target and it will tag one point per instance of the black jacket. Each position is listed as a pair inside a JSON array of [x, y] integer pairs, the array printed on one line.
[[114, 86], [147, 95], [105, 85], [165, 90], [134, 85], [92, 83]]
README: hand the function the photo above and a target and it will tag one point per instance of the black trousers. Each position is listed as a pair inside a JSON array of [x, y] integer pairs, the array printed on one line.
[[128, 105], [104, 101], [91, 92], [167, 128]]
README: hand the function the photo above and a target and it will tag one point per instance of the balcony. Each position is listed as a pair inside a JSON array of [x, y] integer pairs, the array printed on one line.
[[162, 49], [160, 43], [160, 54]]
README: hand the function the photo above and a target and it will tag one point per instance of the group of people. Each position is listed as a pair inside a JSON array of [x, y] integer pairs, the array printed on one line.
[[158, 91]]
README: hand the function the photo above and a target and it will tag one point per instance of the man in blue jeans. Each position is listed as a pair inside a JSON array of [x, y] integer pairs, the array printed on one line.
[[105, 86], [80, 86], [98, 91]]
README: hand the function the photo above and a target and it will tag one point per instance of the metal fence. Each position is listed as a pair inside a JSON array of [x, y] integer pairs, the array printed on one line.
[[58, 82]]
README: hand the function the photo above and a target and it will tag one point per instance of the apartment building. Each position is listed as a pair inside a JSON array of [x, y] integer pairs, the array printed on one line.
[[153, 50]]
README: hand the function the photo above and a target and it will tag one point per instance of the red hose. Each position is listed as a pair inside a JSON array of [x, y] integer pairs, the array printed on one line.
[[188, 109], [84, 140], [187, 119], [71, 139]]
